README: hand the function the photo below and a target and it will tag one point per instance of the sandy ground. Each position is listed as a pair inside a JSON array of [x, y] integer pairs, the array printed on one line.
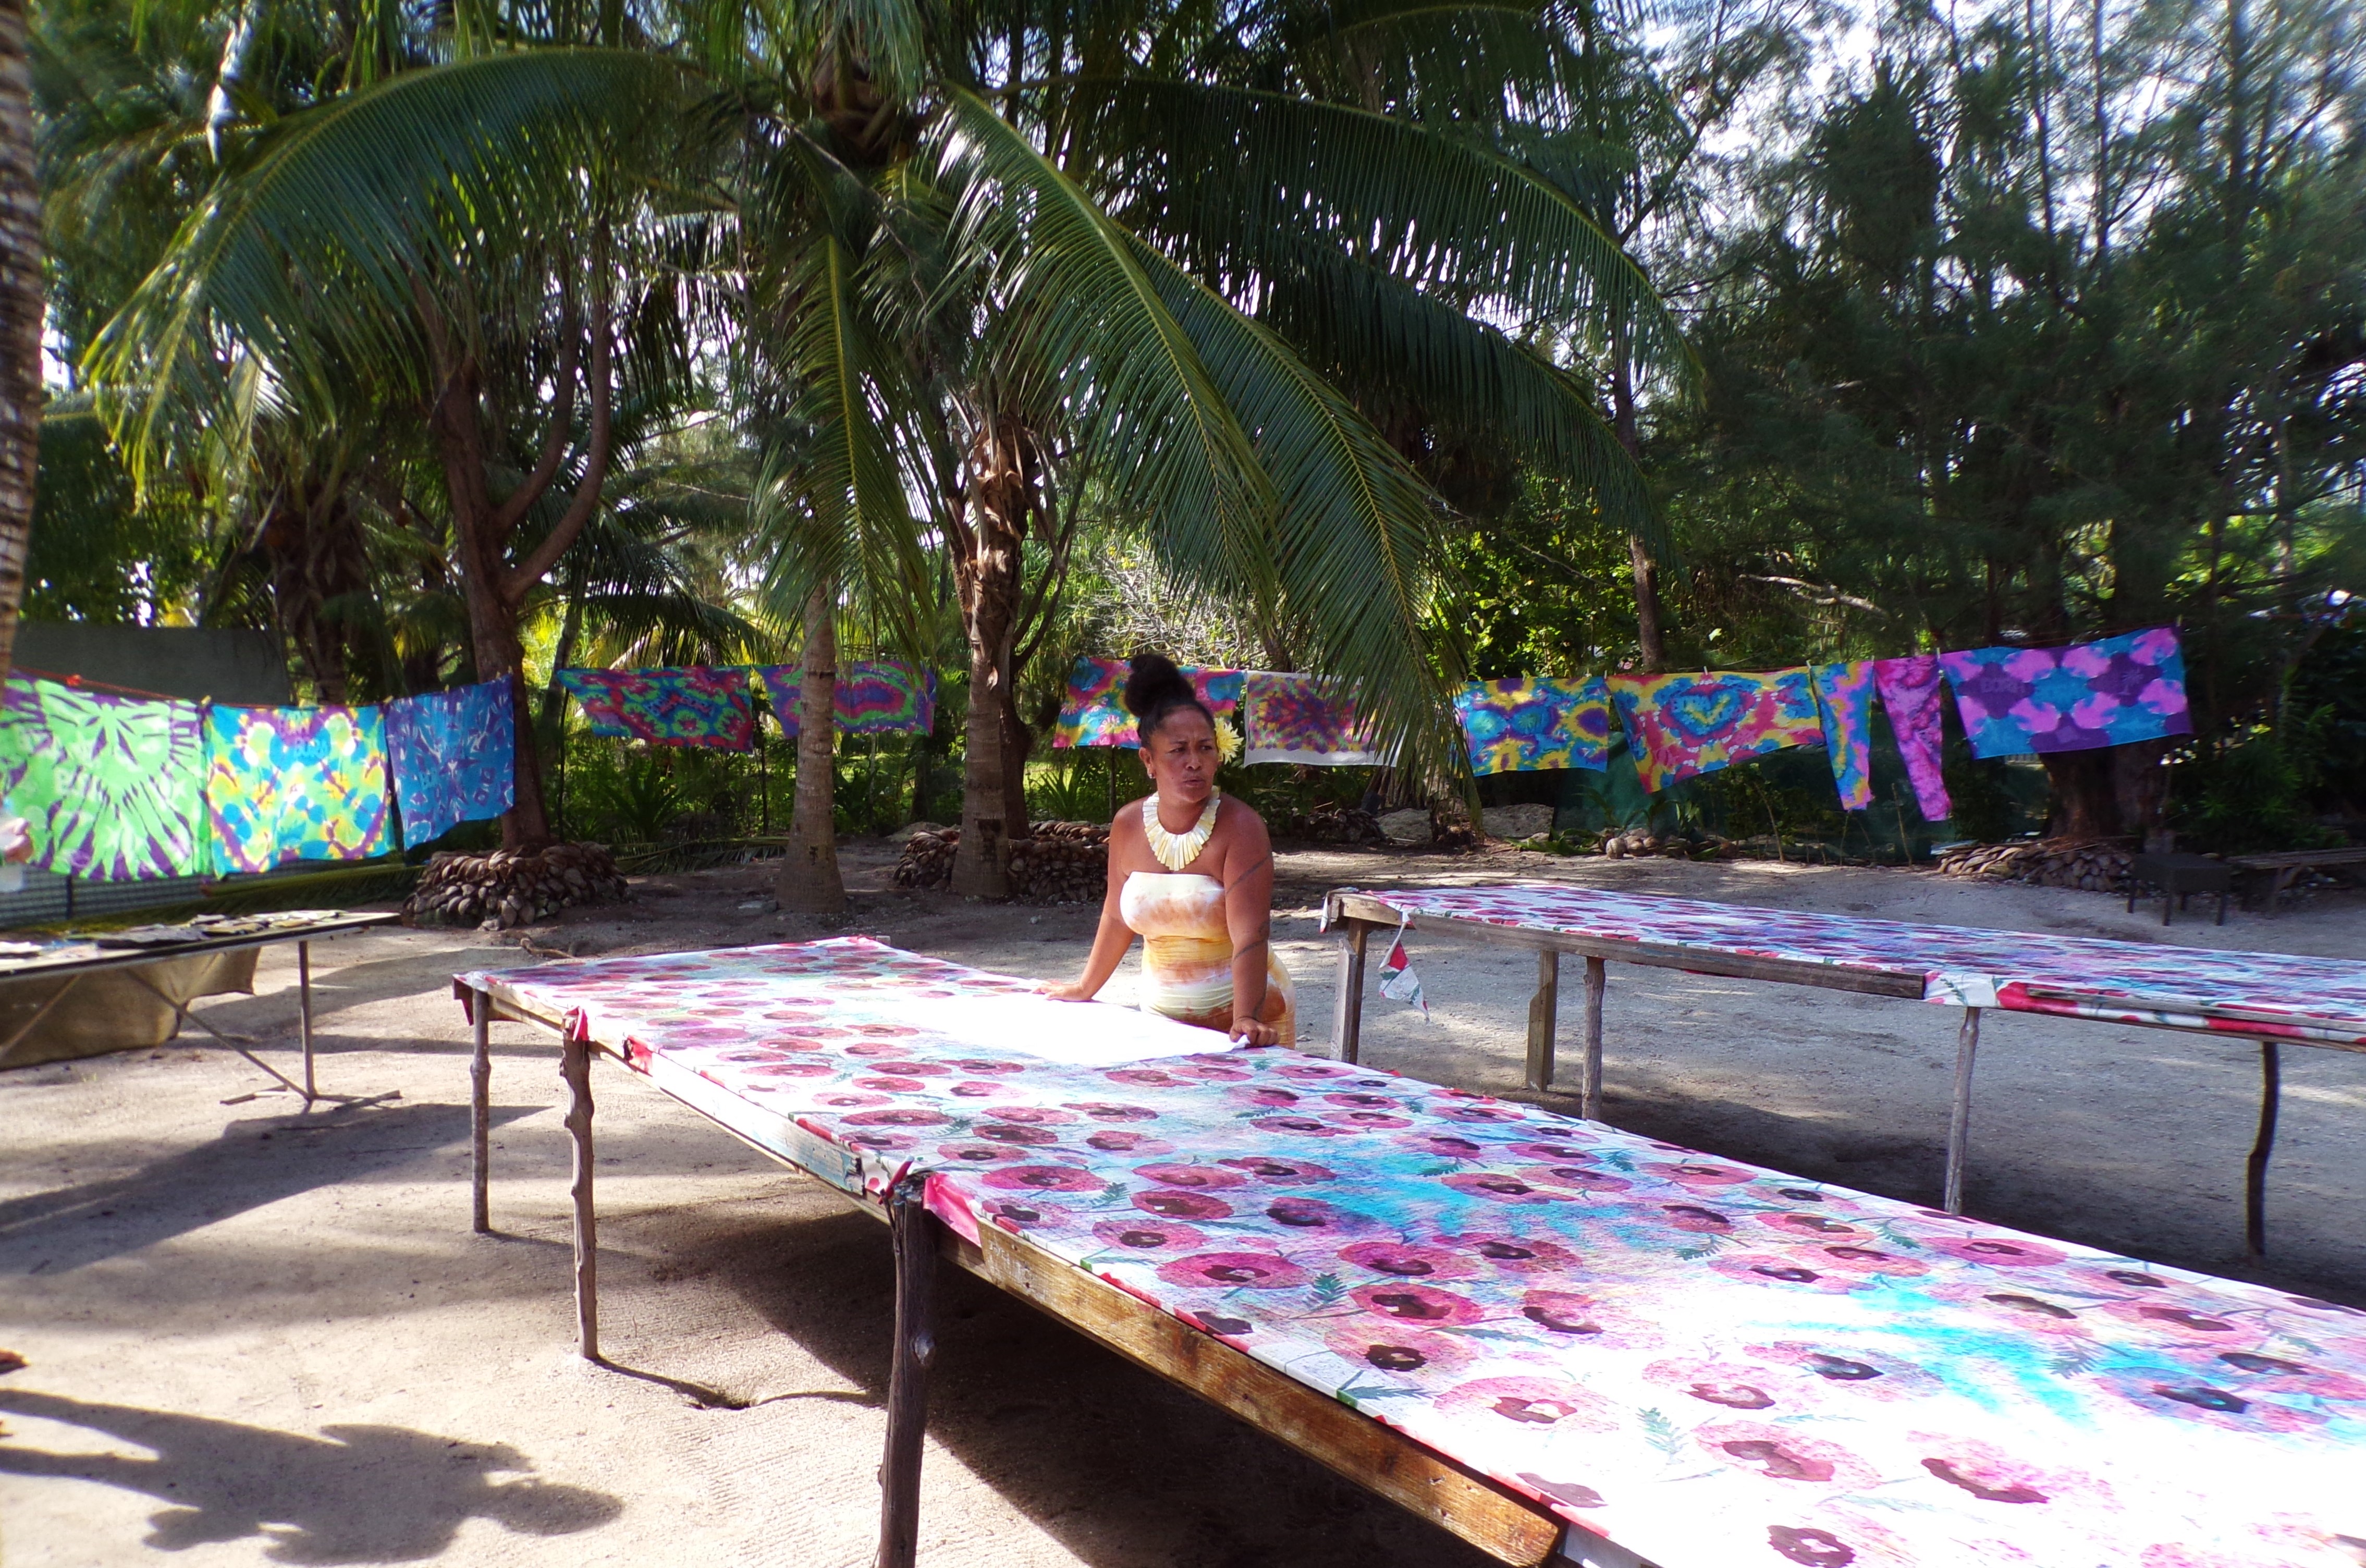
[[262, 1336]]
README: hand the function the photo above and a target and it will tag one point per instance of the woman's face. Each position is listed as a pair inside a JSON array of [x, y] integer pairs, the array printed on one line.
[[1181, 756]]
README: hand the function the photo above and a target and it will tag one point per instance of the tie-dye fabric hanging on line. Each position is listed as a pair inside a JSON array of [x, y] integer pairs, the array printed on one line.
[[1909, 695], [455, 758], [1845, 694], [1681, 726], [1524, 725], [692, 707], [2091, 695], [111, 788], [1093, 712], [296, 784], [1306, 719], [874, 696]]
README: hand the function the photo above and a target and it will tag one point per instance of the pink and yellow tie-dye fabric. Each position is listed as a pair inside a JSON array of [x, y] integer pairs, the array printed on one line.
[[1308, 720], [1910, 694], [1710, 1364], [2015, 701], [1844, 698], [1093, 712], [1681, 726]]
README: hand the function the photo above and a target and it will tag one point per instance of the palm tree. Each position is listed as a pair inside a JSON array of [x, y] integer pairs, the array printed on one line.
[[20, 317]]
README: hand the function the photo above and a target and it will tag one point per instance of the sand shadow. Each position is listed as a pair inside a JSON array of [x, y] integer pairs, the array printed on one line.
[[253, 1163], [353, 1494]]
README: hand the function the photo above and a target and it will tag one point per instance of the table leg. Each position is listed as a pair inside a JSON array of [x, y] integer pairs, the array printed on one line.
[[1959, 1124], [480, 1115], [2255, 1183], [575, 1066], [1544, 1020], [1590, 1090], [914, 1239], [304, 1012], [1347, 1004]]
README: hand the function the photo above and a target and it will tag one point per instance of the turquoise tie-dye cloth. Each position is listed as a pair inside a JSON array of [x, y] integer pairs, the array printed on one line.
[[455, 758], [296, 784], [111, 788]]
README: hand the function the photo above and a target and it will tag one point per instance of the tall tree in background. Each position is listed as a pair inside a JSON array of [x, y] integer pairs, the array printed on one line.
[[20, 319]]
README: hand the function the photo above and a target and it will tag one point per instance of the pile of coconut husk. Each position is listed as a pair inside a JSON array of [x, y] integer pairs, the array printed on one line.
[[1062, 863], [511, 888], [2099, 865], [1625, 843]]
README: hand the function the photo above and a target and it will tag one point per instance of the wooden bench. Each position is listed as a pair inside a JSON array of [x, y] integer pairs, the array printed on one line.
[[2284, 869]]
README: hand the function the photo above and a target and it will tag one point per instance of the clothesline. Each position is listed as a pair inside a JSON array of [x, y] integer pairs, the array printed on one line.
[[132, 788]]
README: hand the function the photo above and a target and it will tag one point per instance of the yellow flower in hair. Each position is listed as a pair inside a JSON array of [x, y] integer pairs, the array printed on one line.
[[1228, 741]]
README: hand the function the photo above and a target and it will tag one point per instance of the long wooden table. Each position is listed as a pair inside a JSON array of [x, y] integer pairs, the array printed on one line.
[[2271, 999], [1508, 1528], [74, 957]]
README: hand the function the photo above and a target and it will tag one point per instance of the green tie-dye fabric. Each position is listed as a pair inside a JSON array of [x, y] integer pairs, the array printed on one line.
[[113, 788]]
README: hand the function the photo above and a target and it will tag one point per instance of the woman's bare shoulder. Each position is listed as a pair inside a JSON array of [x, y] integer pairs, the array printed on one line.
[[1246, 828], [1127, 823]]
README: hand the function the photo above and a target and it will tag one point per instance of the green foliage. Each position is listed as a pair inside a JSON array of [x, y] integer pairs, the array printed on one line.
[[2244, 798]]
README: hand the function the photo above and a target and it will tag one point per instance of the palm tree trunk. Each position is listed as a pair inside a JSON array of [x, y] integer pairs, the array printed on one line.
[[809, 879], [1650, 639], [990, 569], [20, 320]]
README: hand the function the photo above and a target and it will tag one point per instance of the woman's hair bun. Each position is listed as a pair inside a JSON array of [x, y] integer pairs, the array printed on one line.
[[1155, 688], [1152, 681]]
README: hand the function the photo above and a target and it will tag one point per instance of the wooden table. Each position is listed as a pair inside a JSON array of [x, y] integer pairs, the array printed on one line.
[[1887, 958], [75, 958], [2283, 869], [1505, 1526], [2178, 876]]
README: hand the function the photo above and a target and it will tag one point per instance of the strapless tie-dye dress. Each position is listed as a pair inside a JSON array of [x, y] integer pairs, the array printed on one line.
[[1187, 952]]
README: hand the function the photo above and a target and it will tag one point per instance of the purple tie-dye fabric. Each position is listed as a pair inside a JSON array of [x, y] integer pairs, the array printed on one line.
[[1844, 695], [454, 756], [874, 696], [1909, 695], [2091, 695]]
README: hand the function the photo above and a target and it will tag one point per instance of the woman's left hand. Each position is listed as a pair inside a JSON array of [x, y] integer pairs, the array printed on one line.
[[1255, 1031]]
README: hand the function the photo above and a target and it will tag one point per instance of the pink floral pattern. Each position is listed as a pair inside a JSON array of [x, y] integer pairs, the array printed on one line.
[[2250, 994], [1707, 1362]]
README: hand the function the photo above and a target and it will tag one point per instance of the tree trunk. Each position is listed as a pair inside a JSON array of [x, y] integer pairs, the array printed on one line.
[[809, 878], [2115, 792], [20, 320], [989, 573], [1650, 640]]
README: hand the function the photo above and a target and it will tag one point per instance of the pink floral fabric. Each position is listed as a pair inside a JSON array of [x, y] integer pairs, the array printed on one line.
[[1707, 1362], [1911, 695], [2250, 994]]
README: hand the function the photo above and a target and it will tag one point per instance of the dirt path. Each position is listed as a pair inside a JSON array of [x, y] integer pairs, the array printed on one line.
[[258, 1335]]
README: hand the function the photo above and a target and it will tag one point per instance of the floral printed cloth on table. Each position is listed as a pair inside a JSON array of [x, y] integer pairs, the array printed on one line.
[[296, 784], [111, 788], [1521, 726], [1307, 719], [1711, 1364], [874, 696], [2251, 994], [454, 756], [1679, 725], [2122, 689], [1093, 712], [691, 707], [1909, 695], [1844, 697]]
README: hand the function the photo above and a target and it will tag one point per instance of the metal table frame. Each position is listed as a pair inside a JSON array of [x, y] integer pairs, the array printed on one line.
[[130, 958], [1355, 916], [1498, 1521]]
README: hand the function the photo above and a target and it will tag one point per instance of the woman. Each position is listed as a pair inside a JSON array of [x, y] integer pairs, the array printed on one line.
[[1193, 874]]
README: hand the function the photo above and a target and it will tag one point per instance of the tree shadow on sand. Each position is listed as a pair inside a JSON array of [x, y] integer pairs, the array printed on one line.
[[353, 1494]]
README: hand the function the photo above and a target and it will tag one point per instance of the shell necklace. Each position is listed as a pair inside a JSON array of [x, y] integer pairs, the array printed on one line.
[[1175, 851]]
